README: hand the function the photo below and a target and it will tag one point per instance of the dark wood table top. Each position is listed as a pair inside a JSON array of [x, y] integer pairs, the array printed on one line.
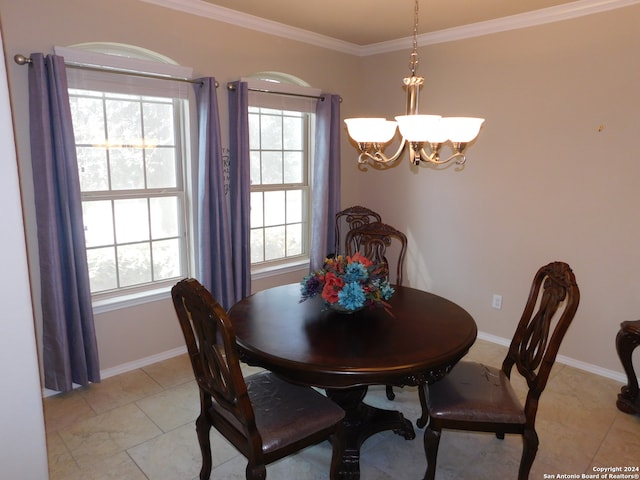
[[309, 344]]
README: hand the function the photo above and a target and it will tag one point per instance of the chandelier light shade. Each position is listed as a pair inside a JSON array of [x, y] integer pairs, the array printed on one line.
[[424, 135], [371, 130]]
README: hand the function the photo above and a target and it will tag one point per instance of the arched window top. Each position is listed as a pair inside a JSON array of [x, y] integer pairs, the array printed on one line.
[[119, 56], [124, 50], [279, 77]]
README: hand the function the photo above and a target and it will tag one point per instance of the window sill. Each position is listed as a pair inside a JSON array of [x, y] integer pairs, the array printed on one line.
[[131, 300], [148, 296], [271, 271]]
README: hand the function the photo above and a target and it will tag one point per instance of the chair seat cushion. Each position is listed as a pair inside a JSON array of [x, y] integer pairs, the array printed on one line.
[[473, 392], [286, 413]]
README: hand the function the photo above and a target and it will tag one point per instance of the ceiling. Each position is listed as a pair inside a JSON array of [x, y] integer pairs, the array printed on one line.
[[366, 22]]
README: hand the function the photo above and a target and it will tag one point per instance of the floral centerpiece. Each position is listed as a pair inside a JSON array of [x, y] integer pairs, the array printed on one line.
[[349, 283]]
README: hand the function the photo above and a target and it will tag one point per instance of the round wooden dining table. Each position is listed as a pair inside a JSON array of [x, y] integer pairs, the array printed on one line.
[[418, 341]]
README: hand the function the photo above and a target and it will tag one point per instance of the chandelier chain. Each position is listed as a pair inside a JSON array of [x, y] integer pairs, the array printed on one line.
[[413, 64]]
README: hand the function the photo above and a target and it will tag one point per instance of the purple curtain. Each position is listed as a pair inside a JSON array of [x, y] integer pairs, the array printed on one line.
[[326, 178], [215, 265], [70, 353], [239, 187]]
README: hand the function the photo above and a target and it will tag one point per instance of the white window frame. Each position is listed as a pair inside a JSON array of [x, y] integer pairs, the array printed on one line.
[[133, 59], [287, 96]]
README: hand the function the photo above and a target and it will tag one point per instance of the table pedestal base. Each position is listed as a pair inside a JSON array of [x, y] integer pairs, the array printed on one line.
[[360, 422]]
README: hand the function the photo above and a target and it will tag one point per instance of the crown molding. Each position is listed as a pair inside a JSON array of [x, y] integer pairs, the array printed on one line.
[[543, 16], [244, 20]]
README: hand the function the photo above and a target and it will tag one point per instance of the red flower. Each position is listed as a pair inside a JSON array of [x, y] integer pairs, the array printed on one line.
[[332, 286], [357, 257]]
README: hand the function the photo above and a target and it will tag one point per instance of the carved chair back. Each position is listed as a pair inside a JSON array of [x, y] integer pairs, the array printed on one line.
[[374, 241], [211, 347], [554, 294], [348, 219]]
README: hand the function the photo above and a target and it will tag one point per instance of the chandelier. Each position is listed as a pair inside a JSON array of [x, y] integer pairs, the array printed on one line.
[[423, 134]]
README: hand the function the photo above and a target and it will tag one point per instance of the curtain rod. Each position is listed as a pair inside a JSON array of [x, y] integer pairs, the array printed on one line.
[[22, 60], [231, 86]]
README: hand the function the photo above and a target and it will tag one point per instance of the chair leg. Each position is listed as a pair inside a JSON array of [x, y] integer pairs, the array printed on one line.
[[203, 428], [431, 443], [422, 393], [390, 394], [500, 435], [529, 449], [256, 472]]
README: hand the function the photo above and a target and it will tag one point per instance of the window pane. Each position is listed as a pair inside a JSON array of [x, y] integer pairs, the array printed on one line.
[[157, 131], [166, 259], [102, 269], [257, 245], [294, 206], [256, 168], [164, 217], [294, 239], [134, 264], [271, 168], [92, 168], [292, 133], [88, 123], [254, 131], [274, 208], [98, 223], [274, 238], [257, 219], [132, 220], [271, 132], [124, 126], [293, 167], [127, 168], [161, 167]]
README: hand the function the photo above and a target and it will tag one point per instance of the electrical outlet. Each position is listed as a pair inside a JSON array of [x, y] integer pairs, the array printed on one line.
[[496, 301]]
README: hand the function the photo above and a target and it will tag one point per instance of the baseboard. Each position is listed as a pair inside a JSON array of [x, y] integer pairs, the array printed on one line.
[[587, 367], [129, 366], [142, 362]]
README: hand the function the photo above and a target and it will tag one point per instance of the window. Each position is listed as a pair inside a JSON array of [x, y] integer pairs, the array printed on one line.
[[280, 133], [130, 169], [130, 143], [279, 184]]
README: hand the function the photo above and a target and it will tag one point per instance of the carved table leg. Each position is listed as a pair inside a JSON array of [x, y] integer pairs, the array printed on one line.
[[360, 422], [627, 340]]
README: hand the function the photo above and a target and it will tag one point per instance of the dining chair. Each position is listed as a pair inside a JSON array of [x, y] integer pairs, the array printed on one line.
[[263, 416], [373, 240], [350, 218], [481, 398]]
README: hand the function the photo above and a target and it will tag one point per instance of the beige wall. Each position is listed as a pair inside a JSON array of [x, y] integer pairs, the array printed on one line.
[[541, 182]]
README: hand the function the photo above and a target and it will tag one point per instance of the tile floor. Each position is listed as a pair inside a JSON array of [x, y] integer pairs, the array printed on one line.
[[140, 425]]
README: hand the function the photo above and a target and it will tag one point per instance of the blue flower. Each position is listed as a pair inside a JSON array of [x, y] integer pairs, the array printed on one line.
[[355, 272], [352, 296], [386, 290]]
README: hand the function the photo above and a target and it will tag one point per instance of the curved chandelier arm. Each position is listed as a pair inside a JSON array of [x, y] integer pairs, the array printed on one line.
[[373, 151], [435, 158]]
